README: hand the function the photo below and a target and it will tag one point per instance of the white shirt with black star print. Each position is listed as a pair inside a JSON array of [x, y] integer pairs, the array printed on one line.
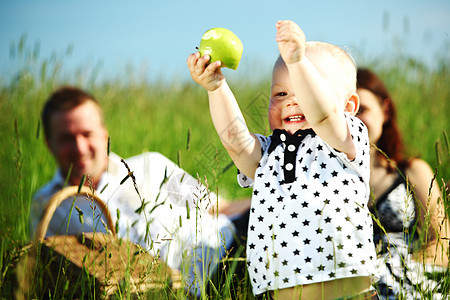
[[316, 228]]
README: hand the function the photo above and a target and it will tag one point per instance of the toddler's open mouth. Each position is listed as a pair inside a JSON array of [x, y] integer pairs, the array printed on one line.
[[296, 118]]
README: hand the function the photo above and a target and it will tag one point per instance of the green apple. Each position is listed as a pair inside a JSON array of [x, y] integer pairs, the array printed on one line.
[[222, 44]]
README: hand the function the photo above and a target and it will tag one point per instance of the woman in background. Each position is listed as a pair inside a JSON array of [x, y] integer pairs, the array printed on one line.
[[411, 230]]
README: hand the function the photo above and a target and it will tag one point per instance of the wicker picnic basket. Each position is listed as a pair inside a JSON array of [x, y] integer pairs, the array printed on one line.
[[76, 266]]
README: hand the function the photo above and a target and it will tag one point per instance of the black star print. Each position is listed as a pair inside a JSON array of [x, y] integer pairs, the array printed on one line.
[[267, 184], [304, 186], [316, 176], [285, 262], [304, 204], [306, 223], [357, 210], [320, 249], [323, 165], [353, 271], [359, 227], [316, 194], [261, 236], [272, 191], [326, 201], [329, 238], [294, 215], [274, 237], [262, 201], [329, 257], [255, 192], [297, 270], [327, 220], [346, 200], [309, 277], [340, 247], [309, 151], [331, 155], [286, 280], [338, 209], [293, 196], [296, 252], [334, 174], [276, 273], [275, 255], [359, 245], [339, 228], [321, 268], [319, 147], [331, 274], [318, 212], [319, 230], [282, 225], [295, 233], [280, 199], [284, 244], [341, 265], [260, 219], [252, 246], [345, 182], [270, 226], [260, 175], [336, 191], [325, 184], [308, 259], [271, 208], [275, 173], [277, 157], [306, 241]]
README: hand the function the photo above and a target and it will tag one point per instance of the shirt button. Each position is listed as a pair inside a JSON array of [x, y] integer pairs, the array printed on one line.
[[289, 166], [282, 137], [291, 148]]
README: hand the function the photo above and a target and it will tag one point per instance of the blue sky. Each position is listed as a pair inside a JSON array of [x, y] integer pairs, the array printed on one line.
[[158, 36]]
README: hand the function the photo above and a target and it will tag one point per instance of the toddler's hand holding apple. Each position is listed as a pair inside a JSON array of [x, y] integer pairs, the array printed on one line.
[[208, 76], [219, 47]]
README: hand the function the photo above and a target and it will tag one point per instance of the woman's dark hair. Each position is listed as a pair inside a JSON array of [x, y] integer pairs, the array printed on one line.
[[390, 141]]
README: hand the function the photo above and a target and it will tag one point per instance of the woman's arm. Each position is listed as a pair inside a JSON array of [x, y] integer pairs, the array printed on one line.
[[433, 223]]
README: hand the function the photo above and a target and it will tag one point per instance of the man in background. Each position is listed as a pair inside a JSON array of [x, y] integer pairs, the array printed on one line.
[[155, 203]]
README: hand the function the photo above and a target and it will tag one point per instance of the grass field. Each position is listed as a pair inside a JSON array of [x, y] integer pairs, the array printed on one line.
[[173, 118]]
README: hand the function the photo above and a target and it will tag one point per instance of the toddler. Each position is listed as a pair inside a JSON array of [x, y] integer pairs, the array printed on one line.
[[310, 232]]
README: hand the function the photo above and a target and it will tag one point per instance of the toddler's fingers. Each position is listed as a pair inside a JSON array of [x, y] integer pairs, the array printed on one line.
[[201, 64], [211, 69], [192, 61]]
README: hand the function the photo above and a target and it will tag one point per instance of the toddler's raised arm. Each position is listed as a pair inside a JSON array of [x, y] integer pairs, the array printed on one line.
[[242, 146], [317, 97]]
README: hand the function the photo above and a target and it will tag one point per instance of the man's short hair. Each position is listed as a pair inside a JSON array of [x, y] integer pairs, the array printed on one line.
[[65, 99]]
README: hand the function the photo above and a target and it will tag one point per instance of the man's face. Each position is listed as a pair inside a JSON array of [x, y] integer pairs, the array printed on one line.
[[78, 138]]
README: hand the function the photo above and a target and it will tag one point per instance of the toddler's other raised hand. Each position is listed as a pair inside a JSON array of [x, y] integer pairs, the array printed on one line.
[[291, 41], [210, 77]]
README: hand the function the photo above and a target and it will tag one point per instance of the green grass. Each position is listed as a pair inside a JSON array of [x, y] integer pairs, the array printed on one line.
[[173, 118]]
